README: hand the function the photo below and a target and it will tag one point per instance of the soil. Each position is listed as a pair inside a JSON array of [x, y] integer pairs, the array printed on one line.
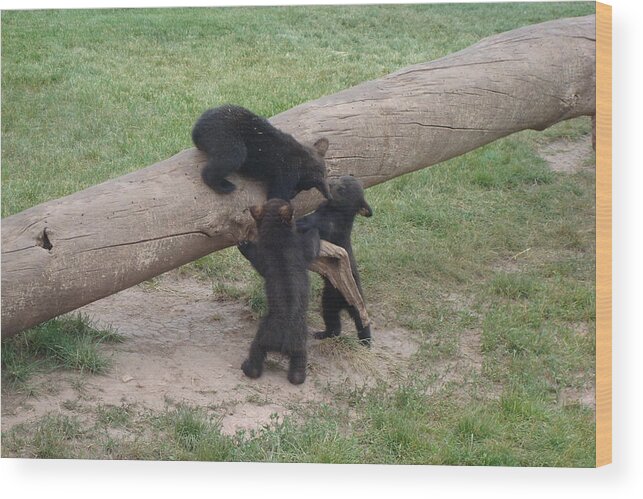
[[184, 345], [568, 156]]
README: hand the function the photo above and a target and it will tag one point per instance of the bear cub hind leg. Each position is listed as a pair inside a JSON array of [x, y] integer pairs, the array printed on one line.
[[332, 304], [253, 365]]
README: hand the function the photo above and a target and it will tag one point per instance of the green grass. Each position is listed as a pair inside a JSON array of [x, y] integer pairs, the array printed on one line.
[[51, 438], [70, 342], [492, 242], [402, 426], [114, 416]]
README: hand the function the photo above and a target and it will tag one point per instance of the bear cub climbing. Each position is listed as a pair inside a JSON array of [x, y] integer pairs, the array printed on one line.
[[334, 221], [281, 255], [237, 140]]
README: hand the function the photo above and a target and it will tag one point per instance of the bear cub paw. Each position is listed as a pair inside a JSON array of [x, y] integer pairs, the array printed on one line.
[[251, 370]]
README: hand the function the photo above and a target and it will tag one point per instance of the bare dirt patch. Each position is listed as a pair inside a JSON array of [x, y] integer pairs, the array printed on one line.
[[184, 345], [464, 369], [568, 156], [585, 396]]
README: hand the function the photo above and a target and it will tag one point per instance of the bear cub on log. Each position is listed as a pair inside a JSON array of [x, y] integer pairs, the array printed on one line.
[[281, 255], [237, 140], [334, 221]]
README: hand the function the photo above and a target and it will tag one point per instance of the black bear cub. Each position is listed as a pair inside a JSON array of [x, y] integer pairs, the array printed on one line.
[[334, 221], [281, 255], [237, 140]]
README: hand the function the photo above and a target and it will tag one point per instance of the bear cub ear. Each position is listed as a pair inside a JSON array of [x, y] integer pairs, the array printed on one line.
[[257, 212], [321, 146], [286, 213]]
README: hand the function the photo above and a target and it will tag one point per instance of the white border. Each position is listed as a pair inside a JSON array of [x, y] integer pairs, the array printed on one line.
[[73, 478]]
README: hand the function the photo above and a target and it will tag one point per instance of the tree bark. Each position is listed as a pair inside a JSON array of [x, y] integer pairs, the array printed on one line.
[[68, 252]]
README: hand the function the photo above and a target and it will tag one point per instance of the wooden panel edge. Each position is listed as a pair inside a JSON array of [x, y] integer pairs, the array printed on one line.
[[603, 234]]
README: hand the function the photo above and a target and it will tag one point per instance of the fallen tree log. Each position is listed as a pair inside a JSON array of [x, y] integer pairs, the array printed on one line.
[[68, 252]]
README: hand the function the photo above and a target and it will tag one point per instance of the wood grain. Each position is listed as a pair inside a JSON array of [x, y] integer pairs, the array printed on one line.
[[603, 234]]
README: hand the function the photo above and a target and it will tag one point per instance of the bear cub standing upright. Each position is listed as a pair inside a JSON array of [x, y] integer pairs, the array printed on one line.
[[281, 255], [334, 221], [237, 140]]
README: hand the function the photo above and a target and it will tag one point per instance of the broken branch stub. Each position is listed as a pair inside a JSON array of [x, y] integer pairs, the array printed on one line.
[[333, 264]]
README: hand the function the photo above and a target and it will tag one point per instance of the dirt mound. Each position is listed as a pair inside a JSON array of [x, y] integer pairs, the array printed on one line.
[[567, 156]]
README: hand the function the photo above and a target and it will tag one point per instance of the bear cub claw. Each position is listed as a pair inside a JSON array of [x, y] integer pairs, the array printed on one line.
[[366, 341]]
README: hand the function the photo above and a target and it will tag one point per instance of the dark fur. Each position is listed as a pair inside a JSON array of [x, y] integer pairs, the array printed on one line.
[[236, 140], [334, 221], [281, 255]]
